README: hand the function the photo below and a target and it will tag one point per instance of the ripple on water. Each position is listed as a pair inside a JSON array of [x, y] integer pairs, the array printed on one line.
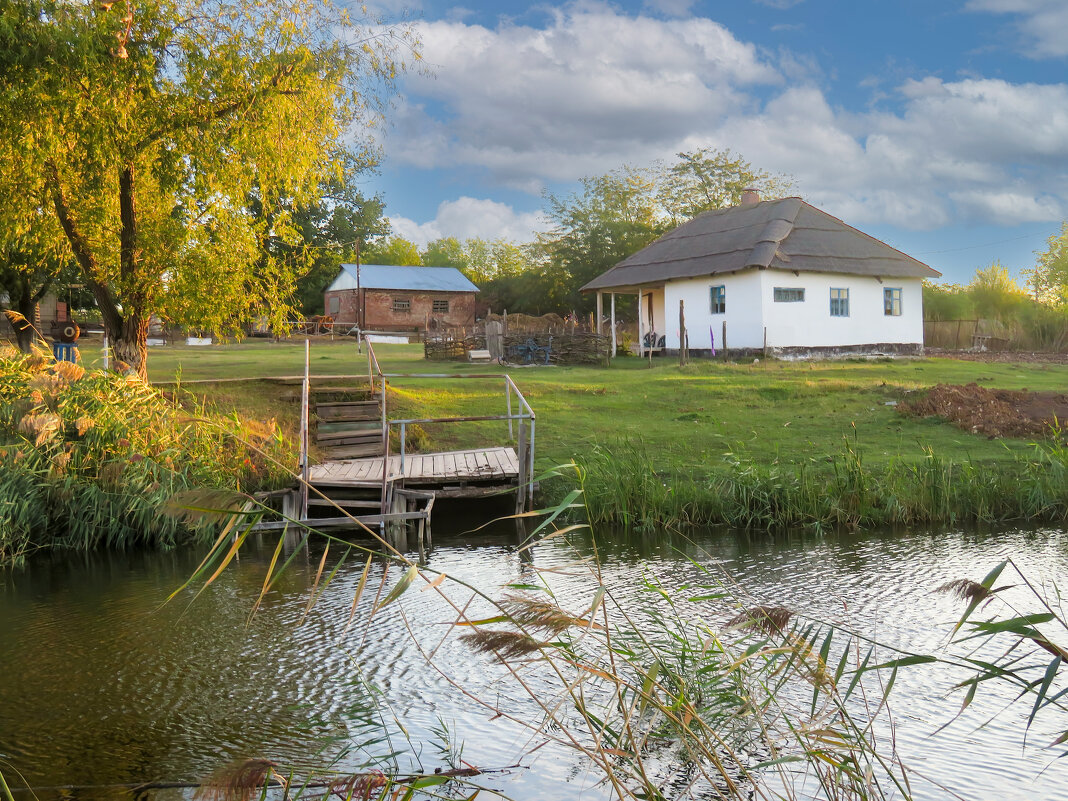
[[101, 684]]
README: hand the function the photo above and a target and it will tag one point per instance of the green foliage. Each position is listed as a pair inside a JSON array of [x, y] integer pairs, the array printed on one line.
[[89, 458], [994, 294], [1049, 278], [623, 486], [145, 130], [707, 178], [943, 302], [445, 252], [394, 250]]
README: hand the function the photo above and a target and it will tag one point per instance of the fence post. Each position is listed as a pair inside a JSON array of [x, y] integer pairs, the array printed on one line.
[[682, 333]]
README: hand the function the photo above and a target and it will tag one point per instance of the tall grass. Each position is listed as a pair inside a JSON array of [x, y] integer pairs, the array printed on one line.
[[623, 487], [89, 458]]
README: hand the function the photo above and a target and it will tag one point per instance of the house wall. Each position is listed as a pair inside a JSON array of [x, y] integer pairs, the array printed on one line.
[[750, 306], [810, 324], [379, 313], [745, 327]]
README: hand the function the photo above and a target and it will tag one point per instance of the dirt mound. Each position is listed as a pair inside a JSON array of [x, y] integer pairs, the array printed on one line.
[[994, 412]]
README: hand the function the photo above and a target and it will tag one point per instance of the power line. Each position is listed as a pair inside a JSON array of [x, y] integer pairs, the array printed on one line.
[[973, 247]]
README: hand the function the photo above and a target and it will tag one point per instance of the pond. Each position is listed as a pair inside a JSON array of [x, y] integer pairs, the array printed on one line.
[[103, 683]]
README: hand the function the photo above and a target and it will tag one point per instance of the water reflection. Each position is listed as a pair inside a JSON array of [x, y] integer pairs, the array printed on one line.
[[104, 683]]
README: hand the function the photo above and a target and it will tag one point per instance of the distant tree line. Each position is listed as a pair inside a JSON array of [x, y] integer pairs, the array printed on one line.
[[607, 219], [1035, 315]]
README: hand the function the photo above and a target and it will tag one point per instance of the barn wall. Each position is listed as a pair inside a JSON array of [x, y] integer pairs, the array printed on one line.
[[379, 313]]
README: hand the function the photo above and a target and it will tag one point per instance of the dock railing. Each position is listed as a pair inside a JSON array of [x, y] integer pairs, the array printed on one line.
[[522, 423]]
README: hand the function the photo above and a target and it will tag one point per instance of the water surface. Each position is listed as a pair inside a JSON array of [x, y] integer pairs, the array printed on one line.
[[101, 682]]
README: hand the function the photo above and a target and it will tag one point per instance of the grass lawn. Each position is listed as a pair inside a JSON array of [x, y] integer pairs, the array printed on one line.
[[696, 417]]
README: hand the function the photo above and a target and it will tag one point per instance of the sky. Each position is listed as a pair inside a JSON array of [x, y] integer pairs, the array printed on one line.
[[939, 126]]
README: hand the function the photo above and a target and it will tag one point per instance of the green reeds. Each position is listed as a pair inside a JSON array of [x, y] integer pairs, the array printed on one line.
[[622, 487], [88, 459]]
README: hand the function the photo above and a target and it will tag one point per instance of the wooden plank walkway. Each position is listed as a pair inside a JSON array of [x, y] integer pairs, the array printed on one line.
[[499, 465]]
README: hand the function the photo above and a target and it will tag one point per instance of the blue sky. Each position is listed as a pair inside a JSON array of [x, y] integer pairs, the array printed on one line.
[[940, 126]]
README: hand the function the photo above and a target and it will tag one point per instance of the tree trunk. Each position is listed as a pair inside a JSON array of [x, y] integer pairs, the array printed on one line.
[[26, 334], [129, 345], [127, 330]]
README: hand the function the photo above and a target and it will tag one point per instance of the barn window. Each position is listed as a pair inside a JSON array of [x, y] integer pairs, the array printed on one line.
[[839, 302], [718, 299], [892, 302], [335, 305], [441, 307], [784, 294], [402, 304]]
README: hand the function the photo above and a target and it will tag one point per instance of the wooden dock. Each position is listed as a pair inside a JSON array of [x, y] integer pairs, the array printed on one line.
[[499, 465], [370, 486]]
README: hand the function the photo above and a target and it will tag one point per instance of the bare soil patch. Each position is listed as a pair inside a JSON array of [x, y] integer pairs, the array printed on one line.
[[999, 356], [994, 412]]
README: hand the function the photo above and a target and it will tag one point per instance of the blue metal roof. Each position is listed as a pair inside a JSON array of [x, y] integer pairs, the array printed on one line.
[[417, 279]]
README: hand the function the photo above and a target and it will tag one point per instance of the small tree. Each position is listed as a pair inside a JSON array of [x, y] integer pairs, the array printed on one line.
[[149, 128], [994, 293], [1049, 277]]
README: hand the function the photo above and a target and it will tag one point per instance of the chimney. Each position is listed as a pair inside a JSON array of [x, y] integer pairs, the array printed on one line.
[[750, 196]]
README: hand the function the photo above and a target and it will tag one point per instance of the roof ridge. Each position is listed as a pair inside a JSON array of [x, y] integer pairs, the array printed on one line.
[[766, 247]]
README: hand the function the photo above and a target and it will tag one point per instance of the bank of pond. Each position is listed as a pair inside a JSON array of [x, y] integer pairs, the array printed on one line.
[[91, 459]]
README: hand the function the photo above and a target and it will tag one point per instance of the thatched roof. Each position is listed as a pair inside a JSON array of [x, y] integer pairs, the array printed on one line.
[[786, 234]]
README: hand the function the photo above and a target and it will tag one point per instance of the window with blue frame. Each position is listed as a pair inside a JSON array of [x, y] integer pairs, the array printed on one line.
[[718, 299], [839, 302], [892, 302]]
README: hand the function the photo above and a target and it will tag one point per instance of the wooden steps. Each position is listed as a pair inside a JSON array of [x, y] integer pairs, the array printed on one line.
[[348, 424]]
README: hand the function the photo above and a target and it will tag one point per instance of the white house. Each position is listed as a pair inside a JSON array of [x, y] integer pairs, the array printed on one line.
[[779, 274]]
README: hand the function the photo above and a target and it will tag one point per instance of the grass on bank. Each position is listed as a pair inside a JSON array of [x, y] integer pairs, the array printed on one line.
[[703, 416], [756, 445]]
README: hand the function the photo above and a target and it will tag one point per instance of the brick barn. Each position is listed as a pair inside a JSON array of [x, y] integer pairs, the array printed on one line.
[[380, 297]]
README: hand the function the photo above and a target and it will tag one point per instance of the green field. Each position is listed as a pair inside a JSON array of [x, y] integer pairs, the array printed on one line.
[[697, 416]]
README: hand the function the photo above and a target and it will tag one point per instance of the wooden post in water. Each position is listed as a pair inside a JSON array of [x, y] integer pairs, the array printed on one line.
[[683, 355], [305, 424], [521, 479]]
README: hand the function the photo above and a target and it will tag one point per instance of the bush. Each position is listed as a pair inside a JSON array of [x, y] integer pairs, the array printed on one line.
[[89, 458]]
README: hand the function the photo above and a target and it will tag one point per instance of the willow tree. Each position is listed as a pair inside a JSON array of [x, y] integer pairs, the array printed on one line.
[[149, 124]]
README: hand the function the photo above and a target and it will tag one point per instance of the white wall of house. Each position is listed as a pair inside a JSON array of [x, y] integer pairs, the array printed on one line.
[[810, 323], [750, 306], [743, 315]]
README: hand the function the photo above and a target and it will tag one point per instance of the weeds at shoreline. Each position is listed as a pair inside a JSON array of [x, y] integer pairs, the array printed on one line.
[[89, 458], [623, 487]]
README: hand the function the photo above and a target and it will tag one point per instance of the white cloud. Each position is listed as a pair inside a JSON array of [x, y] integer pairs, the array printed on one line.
[[975, 151], [471, 218], [596, 89], [592, 89], [1043, 23]]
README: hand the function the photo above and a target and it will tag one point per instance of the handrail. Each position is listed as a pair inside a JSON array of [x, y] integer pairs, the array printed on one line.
[[525, 414]]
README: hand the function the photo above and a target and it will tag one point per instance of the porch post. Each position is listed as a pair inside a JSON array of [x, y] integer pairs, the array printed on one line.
[[600, 313], [613, 327], [640, 325]]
